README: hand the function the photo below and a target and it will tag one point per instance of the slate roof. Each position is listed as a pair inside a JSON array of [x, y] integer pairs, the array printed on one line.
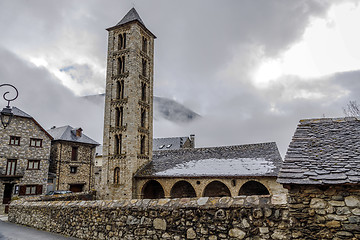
[[261, 159], [67, 133], [132, 15], [20, 113], [323, 151], [168, 143], [17, 112]]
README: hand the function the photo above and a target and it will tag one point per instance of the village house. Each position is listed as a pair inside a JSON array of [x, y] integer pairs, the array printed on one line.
[[322, 172], [72, 159], [24, 158]]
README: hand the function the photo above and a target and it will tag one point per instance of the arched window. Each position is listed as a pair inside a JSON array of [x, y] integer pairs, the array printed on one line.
[[117, 144], [121, 116], [143, 92], [153, 190], [143, 118], [121, 65], [144, 67], [117, 117], [124, 40], [144, 44], [253, 188], [142, 145], [116, 175], [120, 89], [182, 189], [216, 189]]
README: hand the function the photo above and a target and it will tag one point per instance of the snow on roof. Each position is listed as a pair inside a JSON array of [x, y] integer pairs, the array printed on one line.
[[261, 159], [220, 167]]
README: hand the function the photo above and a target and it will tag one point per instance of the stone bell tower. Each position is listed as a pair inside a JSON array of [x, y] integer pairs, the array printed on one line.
[[128, 118]]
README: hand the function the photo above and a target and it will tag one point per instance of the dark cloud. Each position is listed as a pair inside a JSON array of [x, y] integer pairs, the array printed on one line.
[[205, 55]]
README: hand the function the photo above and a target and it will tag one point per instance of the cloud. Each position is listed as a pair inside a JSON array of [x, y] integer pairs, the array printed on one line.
[[42, 96]]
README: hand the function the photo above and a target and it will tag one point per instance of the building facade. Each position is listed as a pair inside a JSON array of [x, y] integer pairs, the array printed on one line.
[[24, 158], [72, 159], [128, 125]]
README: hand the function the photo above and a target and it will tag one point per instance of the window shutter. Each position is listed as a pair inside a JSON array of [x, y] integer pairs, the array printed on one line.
[[22, 190], [39, 189]]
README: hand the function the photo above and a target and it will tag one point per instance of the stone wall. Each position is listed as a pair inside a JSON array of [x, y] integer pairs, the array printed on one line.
[[251, 217], [26, 129], [61, 163], [325, 212]]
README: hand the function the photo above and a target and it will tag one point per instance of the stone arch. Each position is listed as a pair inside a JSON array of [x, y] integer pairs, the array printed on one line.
[[153, 190], [216, 189], [182, 189], [253, 188]]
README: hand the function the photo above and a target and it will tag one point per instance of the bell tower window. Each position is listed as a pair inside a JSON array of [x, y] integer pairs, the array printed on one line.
[[120, 89], [121, 65], [116, 175], [143, 118], [142, 145], [118, 144], [144, 67], [122, 41], [144, 44], [143, 92]]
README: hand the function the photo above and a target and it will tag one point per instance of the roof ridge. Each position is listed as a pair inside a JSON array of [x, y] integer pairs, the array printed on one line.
[[132, 15]]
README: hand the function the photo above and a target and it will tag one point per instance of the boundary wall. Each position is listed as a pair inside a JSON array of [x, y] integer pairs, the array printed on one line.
[[251, 217]]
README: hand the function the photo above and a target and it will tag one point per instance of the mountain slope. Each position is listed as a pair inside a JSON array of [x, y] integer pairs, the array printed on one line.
[[164, 108]]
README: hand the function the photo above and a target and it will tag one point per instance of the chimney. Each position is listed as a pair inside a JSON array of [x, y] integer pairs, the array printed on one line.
[[53, 127], [78, 132], [192, 140]]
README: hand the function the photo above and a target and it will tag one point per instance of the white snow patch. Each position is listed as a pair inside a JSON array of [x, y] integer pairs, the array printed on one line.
[[221, 167]]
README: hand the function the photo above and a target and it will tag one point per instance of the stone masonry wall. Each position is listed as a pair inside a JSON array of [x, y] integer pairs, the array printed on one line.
[[325, 212], [61, 163], [251, 217]]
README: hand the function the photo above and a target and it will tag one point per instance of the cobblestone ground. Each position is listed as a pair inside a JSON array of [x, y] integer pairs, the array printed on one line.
[[11, 231]]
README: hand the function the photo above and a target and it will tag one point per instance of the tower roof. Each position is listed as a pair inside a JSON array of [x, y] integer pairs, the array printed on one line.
[[132, 15]]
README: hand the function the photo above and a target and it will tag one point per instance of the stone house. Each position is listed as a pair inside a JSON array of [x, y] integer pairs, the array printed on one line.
[[322, 172], [24, 158], [72, 159]]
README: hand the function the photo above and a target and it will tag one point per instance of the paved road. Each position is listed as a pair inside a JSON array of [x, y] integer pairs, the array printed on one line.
[[11, 231]]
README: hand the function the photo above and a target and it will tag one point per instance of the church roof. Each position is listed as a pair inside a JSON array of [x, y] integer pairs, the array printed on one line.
[[68, 133], [323, 151], [132, 15], [262, 159], [20, 113]]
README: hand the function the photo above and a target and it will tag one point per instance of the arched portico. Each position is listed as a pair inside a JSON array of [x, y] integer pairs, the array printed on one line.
[[216, 189], [182, 189], [253, 188], [152, 190]]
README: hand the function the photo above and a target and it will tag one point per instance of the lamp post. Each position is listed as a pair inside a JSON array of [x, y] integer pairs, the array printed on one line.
[[6, 114]]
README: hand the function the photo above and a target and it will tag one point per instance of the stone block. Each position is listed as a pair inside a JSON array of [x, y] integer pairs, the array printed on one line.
[[318, 203], [356, 211], [337, 203], [333, 224], [159, 224], [237, 233], [190, 234], [279, 199], [352, 201]]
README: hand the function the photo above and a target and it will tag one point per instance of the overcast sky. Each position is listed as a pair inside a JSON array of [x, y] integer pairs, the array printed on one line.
[[251, 68]]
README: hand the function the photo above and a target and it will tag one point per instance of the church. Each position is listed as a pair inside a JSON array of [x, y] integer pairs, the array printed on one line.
[[130, 167]]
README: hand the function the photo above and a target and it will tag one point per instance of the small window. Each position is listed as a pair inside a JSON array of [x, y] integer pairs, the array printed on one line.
[[74, 153], [14, 140], [30, 190], [169, 146], [33, 165], [34, 142], [73, 169], [162, 146], [11, 167]]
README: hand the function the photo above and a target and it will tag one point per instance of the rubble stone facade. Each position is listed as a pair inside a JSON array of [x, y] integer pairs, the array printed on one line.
[[128, 126], [24, 159], [72, 174]]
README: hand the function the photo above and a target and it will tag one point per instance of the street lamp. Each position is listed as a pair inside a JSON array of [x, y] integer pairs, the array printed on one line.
[[6, 114]]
